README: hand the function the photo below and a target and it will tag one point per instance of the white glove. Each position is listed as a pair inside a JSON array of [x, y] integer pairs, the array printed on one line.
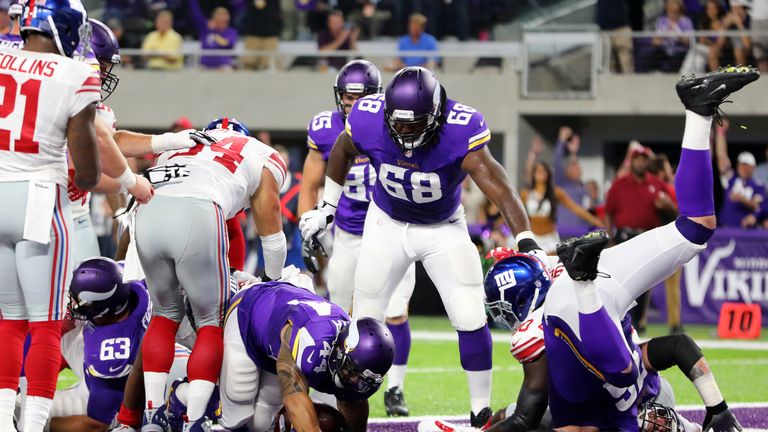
[[316, 221], [187, 138], [243, 279], [15, 10]]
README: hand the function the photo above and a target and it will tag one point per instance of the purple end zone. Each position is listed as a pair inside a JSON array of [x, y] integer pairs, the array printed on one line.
[[749, 417]]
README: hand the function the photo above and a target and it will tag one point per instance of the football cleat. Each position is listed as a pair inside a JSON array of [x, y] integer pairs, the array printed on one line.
[[394, 403], [482, 419], [703, 93], [580, 255], [155, 420]]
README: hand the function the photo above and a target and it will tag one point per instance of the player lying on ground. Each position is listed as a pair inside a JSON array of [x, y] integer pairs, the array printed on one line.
[[281, 339], [102, 345], [49, 107], [422, 146], [356, 79], [506, 304], [595, 372]]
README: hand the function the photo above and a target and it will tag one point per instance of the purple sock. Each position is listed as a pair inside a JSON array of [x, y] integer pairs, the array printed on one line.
[[693, 183], [476, 349], [603, 346], [401, 333]]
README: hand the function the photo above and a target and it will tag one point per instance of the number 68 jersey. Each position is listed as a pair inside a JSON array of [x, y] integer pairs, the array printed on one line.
[[40, 94], [421, 186], [227, 172]]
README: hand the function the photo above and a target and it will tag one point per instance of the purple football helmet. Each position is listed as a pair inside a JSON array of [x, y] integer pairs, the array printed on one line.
[[413, 104], [107, 51], [361, 356], [97, 290], [358, 77]]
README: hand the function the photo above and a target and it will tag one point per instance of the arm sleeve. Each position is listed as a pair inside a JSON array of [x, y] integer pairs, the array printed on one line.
[[198, 19], [104, 398], [236, 244], [479, 133], [276, 165], [88, 92]]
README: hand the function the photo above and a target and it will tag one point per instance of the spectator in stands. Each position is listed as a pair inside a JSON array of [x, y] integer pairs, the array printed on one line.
[[541, 202], [761, 172], [568, 176], [737, 19], [5, 22], [181, 123], [715, 19], [613, 16], [166, 42], [632, 207], [214, 34], [263, 24], [743, 195], [660, 168], [337, 36], [671, 51], [369, 16], [123, 9], [596, 205], [472, 199], [416, 40], [759, 23]]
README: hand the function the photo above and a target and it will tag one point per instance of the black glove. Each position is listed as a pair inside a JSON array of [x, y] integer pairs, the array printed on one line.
[[310, 249], [720, 418]]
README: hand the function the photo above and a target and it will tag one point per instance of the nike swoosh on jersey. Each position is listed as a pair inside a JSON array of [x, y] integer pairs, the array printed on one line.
[[90, 296], [113, 370]]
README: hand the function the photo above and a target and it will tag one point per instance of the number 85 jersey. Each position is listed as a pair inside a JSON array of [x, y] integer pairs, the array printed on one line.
[[227, 172], [421, 186]]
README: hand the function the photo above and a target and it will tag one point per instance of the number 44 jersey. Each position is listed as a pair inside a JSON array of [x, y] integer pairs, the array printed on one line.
[[40, 93], [421, 186], [227, 172]]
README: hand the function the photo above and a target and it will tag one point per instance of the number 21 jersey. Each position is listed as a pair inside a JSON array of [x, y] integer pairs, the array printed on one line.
[[421, 186], [227, 172], [40, 93]]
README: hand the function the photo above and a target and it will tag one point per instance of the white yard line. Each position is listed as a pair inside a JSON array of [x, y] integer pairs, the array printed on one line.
[[503, 338]]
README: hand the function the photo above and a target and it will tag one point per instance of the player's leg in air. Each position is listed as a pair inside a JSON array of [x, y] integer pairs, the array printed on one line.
[[594, 332]]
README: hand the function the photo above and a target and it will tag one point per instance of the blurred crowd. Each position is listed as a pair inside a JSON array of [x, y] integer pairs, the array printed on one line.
[[259, 25], [676, 49]]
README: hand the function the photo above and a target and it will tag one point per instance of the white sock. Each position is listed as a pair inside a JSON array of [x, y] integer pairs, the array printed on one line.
[[199, 393], [36, 413], [182, 393], [7, 406], [479, 389], [708, 389], [154, 388], [587, 298], [697, 129], [396, 376]]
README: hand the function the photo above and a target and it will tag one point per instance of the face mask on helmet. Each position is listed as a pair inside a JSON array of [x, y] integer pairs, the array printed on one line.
[[514, 287], [410, 132], [655, 417], [109, 80], [502, 314], [346, 375], [85, 310]]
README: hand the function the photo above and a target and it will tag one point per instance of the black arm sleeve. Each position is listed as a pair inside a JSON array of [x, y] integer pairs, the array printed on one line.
[[531, 401], [667, 351]]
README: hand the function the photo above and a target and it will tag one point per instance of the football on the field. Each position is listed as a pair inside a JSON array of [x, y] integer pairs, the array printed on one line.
[[330, 419]]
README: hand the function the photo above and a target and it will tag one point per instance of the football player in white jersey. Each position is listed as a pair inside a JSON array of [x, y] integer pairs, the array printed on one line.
[[206, 186], [104, 55], [49, 104]]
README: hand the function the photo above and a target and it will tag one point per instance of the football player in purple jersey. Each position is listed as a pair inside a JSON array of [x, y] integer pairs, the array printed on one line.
[[281, 339], [596, 373], [509, 305], [356, 79], [102, 348], [422, 145]]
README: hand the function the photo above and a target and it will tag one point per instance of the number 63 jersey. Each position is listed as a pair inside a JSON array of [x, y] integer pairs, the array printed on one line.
[[421, 186], [227, 172], [40, 94]]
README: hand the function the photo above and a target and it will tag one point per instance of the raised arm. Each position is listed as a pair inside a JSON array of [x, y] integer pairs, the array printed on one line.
[[269, 223], [83, 147], [311, 180], [198, 18], [721, 150], [294, 387]]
